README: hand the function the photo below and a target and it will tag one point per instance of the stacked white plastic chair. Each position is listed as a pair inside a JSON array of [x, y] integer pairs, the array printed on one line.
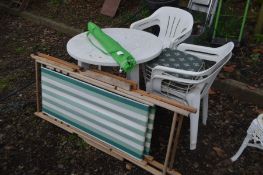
[[175, 25], [196, 84], [205, 6], [254, 137]]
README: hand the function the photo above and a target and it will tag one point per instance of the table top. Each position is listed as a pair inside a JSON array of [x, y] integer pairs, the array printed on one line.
[[142, 45]]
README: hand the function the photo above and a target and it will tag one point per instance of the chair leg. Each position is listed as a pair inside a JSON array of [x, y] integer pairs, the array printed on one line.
[[205, 109], [148, 87], [194, 120], [241, 149]]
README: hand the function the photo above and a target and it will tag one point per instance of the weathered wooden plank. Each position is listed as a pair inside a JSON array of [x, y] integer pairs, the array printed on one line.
[[95, 74], [51, 58], [52, 62], [176, 140], [133, 83], [37, 66], [167, 100], [156, 102], [160, 166], [107, 79], [110, 7]]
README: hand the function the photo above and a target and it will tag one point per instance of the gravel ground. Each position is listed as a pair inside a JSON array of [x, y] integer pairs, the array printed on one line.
[[77, 13], [29, 145]]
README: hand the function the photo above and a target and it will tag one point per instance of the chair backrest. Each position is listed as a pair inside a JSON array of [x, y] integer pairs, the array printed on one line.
[[175, 25]]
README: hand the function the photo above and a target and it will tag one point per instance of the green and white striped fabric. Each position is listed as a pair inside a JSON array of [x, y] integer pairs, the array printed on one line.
[[119, 121]]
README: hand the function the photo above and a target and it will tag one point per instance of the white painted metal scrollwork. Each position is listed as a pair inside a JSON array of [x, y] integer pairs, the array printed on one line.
[[254, 137]]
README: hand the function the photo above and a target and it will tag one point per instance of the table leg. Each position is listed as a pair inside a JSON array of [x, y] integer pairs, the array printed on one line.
[[83, 65], [135, 75]]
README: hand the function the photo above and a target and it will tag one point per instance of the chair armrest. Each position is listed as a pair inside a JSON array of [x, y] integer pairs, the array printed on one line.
[[176, 79], [207, 53], [145, 23], [191, 47], [156, 70], [157, 78], [162, 69]]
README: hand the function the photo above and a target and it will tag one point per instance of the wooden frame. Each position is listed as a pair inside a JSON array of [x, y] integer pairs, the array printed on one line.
[[149, 164]]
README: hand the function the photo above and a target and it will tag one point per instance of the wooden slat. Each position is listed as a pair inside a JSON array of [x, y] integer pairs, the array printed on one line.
[[89, 80], [131, 82], [108, 79], [160, 166], [165, 105], [167, 100], [169, 146], [108, 87], [51, 58], [95, 74], [176, 140], [52, 62], [37, 66]]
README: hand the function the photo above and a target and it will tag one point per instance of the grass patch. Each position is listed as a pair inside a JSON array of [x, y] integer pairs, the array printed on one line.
[[20, 50], [3, 85], [230, 19]]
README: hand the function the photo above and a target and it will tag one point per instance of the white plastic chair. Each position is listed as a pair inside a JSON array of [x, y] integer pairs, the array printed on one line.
[[196, 84], [254, 137], [175, 25], [205, 6]]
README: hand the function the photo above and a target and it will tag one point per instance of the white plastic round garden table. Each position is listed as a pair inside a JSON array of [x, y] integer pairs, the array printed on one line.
[[142, 45]]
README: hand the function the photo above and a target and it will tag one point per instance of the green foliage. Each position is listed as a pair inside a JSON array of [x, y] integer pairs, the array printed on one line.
[[73, 138], [258, 39], [255, 57], [20, 50], [3, 85], [56, 2]]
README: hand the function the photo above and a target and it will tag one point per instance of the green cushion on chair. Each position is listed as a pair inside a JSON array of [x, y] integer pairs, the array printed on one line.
[[178, 60]]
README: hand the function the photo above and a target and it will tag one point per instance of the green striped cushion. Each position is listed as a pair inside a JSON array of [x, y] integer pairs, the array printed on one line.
[[121, 122]]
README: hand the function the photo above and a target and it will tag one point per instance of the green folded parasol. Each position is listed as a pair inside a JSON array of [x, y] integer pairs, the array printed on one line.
[[113, 48]]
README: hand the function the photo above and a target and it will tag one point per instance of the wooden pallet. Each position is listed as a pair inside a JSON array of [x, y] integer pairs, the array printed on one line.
[[125, 88]]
